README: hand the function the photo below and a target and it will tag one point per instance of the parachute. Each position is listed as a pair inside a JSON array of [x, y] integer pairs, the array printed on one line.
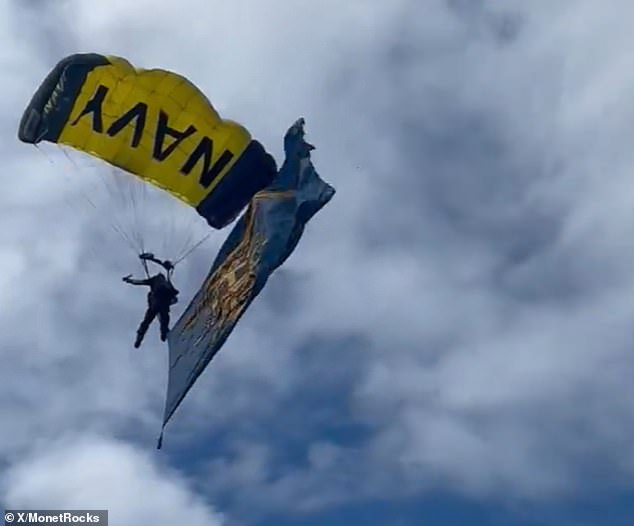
[[154, 124]]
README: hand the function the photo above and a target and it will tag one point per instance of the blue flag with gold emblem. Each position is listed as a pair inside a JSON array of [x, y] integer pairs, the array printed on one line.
[[263, 238]]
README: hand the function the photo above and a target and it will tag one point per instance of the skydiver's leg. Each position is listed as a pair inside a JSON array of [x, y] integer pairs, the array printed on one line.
[[150, 314], [164, 320]]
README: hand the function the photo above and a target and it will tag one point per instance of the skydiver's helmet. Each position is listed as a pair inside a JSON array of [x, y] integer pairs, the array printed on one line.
[[169, 266]]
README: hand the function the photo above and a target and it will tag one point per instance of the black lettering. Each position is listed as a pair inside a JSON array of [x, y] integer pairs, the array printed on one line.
[[162, 130], [137, 113], [205, 149], [94, 106]]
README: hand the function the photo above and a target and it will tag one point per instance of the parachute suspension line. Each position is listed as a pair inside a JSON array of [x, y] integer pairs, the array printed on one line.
[[191, 250], [164, 239], [170, 235], [113, 224], [116, 226], [133, 194], [186, 243], [116, 190], [68, 177], [137, 222], [129, 195], [66, 197], [147, 272], [64, 172], [188, 246], [115, 186], [138, 208]]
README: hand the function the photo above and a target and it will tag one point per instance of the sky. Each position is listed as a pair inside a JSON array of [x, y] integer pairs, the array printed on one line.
[[451, 342]]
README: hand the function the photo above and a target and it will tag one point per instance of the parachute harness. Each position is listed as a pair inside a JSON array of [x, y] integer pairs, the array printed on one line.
[[144, 263]]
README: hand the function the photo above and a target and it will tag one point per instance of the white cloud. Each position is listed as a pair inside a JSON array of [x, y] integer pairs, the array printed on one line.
[[94, 473]]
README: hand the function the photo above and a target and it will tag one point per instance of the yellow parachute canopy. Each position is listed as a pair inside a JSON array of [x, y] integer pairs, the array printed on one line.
[[154, 124]]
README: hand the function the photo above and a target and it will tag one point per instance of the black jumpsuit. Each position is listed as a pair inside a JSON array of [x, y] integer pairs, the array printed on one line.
[[160, 298]]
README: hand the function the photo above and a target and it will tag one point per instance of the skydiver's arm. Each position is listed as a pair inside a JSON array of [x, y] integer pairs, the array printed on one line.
[[139, 282], [148, 256], [167, 265], [132, 281], [159, 262], [153, 259]]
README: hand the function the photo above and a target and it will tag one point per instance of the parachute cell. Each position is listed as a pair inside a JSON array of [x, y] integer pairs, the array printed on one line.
[[154, 124]]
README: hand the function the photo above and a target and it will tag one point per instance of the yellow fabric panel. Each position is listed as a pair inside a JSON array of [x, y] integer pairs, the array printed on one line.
[[184, 104]]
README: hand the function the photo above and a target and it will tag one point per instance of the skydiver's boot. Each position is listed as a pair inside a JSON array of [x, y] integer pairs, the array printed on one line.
[[139, 338]]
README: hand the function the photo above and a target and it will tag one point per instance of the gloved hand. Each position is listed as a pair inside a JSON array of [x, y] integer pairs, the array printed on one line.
[[126, 278], [146, 255]]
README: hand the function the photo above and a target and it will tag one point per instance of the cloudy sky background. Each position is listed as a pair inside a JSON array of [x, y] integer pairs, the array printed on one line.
[[450, 344]]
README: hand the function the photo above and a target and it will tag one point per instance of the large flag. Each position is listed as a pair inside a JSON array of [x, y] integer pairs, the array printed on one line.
[[264, 237]]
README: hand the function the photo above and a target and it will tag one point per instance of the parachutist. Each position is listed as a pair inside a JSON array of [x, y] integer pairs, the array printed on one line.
[[161, 297]]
